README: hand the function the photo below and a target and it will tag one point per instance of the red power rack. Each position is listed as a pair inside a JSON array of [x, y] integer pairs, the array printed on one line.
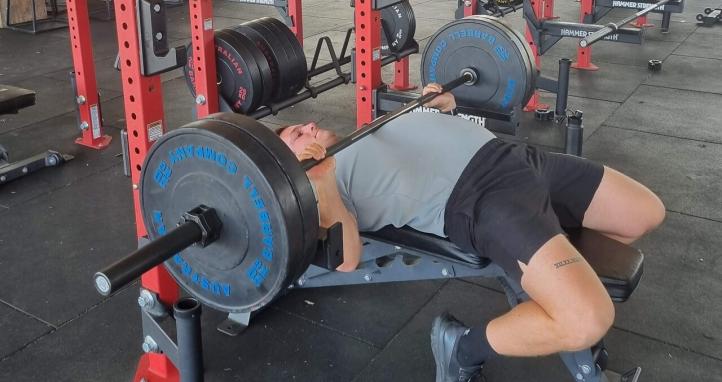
[[543, 9], [87, 98], [143, 100]]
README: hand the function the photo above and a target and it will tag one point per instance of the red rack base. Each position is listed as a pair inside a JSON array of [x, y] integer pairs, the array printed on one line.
[[534, 104], [154, 367], [98, 144]]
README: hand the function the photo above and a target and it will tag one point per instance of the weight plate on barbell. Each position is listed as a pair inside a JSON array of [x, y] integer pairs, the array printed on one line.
[[223, 166], [305, 197], [501, 59], [523, 45], [239, 80]]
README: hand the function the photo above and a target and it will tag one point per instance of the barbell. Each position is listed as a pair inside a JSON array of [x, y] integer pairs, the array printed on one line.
[[229, 208]]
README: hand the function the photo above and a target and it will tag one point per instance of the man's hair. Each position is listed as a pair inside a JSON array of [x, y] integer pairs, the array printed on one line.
[[280, 130]]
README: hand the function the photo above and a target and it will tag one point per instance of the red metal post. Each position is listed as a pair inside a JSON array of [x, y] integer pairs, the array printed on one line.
[[470, 8], [295, 11], [368, 59], [549, 10], [641, 22], [143, 99], [204, 56], [401, 76], [533, 103], [584, 55], [87, 89]]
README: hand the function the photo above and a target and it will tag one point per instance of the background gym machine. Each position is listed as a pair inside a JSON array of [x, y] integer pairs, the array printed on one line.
[[12, 99]]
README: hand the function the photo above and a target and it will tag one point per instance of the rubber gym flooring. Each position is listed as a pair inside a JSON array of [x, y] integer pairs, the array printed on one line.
[[59, 226]]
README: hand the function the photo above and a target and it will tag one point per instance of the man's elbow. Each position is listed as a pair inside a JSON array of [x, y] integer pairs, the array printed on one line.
[[351, 257]]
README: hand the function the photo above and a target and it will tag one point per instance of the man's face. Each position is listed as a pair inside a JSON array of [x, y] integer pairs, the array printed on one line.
[[298, 137]]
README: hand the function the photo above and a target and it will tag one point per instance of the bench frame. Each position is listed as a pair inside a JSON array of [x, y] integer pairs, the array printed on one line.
[[384, 260]]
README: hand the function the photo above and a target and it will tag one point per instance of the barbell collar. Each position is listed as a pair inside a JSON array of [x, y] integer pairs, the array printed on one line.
[[468, 76], [187, 233]]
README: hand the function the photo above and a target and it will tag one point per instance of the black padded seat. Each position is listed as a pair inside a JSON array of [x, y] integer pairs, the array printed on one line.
[[618, 266], [427, 243], [13, 99]]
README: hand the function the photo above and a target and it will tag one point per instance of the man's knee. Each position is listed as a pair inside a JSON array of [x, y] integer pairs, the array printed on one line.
[[583, 326], [653, 214]]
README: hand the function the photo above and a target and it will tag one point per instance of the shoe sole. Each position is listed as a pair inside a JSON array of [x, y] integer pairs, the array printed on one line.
[[437, 350]]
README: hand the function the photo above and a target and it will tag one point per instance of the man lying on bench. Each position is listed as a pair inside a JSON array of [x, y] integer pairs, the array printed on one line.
[[509, 202]]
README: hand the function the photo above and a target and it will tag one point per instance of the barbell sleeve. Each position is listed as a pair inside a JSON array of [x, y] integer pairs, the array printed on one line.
[[129, 268], [613, 27], [468, 76]]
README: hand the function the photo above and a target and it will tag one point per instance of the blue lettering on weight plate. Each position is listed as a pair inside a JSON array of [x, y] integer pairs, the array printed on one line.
[[258, 271], [215, 287]]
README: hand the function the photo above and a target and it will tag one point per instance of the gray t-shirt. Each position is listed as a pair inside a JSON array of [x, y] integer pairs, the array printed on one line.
[[403, 173]]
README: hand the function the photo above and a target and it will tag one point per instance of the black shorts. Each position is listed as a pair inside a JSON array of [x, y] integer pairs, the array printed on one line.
[[512, 198]]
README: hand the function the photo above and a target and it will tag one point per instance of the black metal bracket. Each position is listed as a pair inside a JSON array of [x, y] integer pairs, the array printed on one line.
[[155, 55]]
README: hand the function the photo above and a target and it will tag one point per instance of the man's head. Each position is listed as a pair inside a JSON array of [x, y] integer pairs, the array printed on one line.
[[298, 137]]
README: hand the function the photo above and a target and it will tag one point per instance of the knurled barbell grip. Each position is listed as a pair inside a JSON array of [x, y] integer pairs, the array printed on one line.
[[129, 268], [468, 76], [598, 35]]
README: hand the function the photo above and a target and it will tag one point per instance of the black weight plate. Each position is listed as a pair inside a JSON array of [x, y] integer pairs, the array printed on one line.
[[397, 30], [297, 179], [188, 72], [523, 45], [300, 67], [493, 51], [208, 162], [412, 18], [239, 80], [264, 66], [255, 61], [268, 44], [284, 54]]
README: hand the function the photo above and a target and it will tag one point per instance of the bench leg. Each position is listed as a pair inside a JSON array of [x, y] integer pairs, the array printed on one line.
[[589, 365]]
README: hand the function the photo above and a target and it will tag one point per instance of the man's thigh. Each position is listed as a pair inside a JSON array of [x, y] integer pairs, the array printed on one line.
[[561, 281], [623, 207]]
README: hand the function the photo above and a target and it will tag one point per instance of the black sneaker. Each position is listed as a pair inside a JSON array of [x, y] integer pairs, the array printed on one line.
[[445, 334]]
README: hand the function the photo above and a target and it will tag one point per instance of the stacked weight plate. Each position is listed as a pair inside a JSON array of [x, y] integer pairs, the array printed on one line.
[[398, 25], [257, 63]]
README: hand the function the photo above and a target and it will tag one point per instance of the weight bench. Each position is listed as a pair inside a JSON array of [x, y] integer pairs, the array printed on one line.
[[12, 99], [404, 254]]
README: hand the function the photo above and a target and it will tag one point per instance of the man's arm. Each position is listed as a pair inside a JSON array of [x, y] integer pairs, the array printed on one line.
[[330, 206]]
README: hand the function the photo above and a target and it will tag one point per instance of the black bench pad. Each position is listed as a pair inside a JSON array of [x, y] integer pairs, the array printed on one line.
[[13, 99], [618, 266]]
